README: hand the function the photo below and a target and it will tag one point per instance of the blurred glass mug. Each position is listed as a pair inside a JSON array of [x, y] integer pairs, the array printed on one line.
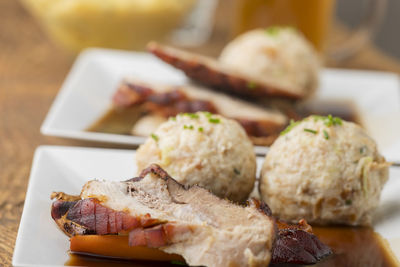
[[312, 17], [123, 24]]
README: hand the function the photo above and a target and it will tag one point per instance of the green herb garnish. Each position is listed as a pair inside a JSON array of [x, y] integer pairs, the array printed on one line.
[[328, 120], [273, 30], [191, 115], [363, 149], [251, 85], [188, 127], [290, 127], [348, 202], [173, 118], [200, 129], [310, 131], [214, 120], [155, 137], [207, 114], [236, 171], [326, 135]]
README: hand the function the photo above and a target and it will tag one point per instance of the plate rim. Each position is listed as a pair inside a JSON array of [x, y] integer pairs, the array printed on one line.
[[47, 128], [33, 179]]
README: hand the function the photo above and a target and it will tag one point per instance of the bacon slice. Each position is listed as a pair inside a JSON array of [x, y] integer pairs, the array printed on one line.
[[212, 73]]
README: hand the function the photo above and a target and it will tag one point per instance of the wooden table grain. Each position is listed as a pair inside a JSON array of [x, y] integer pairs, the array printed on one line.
[[32, 69]]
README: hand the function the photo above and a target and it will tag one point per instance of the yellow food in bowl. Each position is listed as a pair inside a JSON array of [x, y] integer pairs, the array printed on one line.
[[124, 24]]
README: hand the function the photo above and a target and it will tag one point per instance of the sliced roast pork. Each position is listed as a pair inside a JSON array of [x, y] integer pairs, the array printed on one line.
[[213, 73], [262, 125], [158, 212]]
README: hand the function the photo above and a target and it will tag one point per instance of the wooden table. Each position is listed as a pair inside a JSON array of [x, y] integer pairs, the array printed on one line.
[[32, 69]]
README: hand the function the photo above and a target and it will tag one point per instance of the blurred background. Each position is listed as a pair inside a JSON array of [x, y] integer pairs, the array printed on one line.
[[39, 41], [130, 24], [198, 25], [387, 36]]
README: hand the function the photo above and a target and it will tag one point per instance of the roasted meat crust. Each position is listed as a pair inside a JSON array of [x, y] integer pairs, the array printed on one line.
[[165, 104], [189, 221], [296, 246], [209, 71], [295, 243], [88, 216]]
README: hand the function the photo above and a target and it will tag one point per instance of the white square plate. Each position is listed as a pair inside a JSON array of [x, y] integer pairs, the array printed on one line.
[[41, 243], [96, 74]]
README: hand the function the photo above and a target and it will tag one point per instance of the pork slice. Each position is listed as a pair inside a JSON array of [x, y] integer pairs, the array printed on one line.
[[203, 228], [262, 124], [156, 211], [211, 72], [131, 90]]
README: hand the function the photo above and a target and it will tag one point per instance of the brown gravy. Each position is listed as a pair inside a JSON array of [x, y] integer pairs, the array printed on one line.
[[84, 260], [355, 246], [117, 121], [352, 246]]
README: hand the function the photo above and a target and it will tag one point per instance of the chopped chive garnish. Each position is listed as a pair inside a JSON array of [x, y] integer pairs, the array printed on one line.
[[191, 115], [251, 85], [328, 120], [273, 31], [348, 202], [290, 127], [310, 131], [155, 137], [207, 114], [337, 121], [363, 149], [326, 135], [236, 171], [189, 127], [214, 120], [201, 129]]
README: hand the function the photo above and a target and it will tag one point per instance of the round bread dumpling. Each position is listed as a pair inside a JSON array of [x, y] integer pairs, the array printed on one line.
[[206, 150], [324, 170], [278, 55]]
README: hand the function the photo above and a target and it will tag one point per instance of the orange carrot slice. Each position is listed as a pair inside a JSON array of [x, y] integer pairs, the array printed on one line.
[[117, 246]]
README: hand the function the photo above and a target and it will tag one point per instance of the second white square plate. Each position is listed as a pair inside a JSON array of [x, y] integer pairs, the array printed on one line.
[[41, 243], [86, 95]]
